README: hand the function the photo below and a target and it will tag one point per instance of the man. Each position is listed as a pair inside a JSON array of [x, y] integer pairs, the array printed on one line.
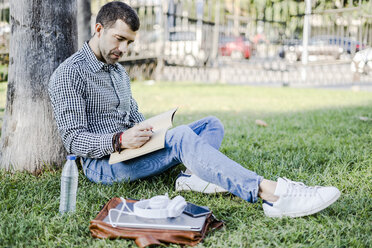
[[96, 115]]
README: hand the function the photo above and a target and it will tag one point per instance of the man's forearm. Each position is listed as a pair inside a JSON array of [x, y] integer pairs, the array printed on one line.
[[90, 145]]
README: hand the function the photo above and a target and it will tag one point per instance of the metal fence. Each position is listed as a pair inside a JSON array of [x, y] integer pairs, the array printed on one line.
[[215, 41], [251, 42]]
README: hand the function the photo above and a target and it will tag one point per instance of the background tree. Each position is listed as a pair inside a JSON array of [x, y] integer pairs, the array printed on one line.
[[43, 35], [83, 18]]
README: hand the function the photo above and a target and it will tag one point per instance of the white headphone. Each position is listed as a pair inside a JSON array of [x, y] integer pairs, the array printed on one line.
[[158, 207]]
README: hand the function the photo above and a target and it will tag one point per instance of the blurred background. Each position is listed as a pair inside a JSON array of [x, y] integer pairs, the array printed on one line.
[[261, 42]]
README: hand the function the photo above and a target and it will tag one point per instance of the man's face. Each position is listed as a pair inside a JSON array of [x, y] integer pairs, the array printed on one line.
[[114, 41]]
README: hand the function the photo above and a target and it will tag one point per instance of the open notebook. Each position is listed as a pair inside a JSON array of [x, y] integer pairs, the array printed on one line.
[[160, 123]]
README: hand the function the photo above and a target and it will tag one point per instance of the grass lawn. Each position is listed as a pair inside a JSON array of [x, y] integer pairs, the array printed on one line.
[[3, 72], [314, 136]]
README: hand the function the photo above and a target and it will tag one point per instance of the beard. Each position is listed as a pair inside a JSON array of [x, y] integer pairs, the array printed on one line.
[[112, 56]]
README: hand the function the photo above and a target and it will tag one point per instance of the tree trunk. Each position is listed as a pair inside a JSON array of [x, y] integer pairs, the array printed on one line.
[[43, 34], [84, 25]]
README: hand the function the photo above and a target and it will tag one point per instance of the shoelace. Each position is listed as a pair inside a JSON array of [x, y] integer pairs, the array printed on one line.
[[183, 174], [300, 189]]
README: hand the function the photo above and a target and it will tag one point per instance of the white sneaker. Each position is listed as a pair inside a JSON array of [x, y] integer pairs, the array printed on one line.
[[187, 182], [296, 199]]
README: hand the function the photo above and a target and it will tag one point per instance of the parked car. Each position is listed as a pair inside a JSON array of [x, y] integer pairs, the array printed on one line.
[[362, 62], [288, 48], [187, 48], [318, 48], [235, 47]]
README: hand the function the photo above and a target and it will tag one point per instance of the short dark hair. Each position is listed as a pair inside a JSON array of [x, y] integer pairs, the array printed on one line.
[[111, 12]]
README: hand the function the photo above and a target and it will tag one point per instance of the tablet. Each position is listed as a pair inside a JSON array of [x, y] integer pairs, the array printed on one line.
[[182, 222]]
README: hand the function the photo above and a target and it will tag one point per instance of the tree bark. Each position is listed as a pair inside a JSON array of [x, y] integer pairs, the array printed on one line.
[[43, 34], [84, 24]]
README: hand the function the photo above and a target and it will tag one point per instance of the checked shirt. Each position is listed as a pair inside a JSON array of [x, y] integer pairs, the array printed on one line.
[[91, 102]]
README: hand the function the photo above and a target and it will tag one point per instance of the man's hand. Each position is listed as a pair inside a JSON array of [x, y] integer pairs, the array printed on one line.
[[136, 136]]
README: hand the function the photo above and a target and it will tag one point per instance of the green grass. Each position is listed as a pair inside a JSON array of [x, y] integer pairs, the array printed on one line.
[[313, 136], [3, 72]]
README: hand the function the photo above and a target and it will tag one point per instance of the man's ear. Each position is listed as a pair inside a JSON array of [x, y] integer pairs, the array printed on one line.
[[98, 29]]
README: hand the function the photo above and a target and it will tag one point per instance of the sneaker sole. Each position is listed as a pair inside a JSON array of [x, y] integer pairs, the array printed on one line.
[[293, 215]]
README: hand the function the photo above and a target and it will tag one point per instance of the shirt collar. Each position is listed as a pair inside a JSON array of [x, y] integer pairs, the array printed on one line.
[[94, 64]]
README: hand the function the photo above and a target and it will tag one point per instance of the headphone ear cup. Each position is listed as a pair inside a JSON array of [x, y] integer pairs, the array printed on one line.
[[176, 206]]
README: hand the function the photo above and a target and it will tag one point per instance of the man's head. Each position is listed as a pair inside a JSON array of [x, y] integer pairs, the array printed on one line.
[[115, 29], [113, 11]]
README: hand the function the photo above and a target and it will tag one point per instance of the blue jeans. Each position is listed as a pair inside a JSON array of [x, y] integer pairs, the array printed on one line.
[[196, 146]]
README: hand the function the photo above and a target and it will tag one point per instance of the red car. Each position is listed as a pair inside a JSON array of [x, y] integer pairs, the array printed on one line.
[[235, 47]]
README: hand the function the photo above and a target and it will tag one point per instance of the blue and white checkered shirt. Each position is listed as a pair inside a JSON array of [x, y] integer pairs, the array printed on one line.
[[91, 101]]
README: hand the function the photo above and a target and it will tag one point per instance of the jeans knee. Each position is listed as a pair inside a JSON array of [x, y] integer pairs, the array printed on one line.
[[176, 138], [216, 124], [178, 135], [181, 131]]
